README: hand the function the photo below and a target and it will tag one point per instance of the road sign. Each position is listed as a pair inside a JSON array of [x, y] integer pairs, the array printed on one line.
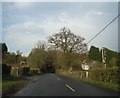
[[85, 67]]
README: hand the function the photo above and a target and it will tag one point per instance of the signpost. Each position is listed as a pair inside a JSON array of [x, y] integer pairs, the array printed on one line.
[[85, 67], [104, 56]]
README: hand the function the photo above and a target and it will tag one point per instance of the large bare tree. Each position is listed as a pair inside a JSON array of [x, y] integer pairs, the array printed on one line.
[[67, 41]]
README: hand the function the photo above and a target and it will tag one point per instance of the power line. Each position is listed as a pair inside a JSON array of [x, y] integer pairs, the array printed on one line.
[[102, 29]]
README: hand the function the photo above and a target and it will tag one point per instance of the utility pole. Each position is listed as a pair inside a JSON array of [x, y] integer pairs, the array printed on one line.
[[104, 55]]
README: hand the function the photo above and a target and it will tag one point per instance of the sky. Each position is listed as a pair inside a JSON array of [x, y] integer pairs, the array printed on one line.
[[25, 23]]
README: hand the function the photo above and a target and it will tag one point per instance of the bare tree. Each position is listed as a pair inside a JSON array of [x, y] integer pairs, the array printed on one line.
[[66, 41], [41, 44], [18, 56]]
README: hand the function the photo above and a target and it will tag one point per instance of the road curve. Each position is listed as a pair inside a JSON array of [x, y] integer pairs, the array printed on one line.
[[55, 85]]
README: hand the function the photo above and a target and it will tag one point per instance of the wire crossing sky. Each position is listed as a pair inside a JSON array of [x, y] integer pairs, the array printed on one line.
[[25, 23], [103, 29]]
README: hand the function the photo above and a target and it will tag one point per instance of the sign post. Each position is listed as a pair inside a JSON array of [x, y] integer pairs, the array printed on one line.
[[86, 67], [104, 57]]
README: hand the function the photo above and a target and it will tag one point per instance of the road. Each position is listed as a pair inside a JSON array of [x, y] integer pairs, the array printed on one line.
[[55, 85]]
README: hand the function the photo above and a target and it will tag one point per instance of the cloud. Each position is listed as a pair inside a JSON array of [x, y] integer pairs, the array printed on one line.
[[99, 13], [77, 23], [86, 26], [16, 4], [23, 36], [23, 5], [93, 13], [30, 24]]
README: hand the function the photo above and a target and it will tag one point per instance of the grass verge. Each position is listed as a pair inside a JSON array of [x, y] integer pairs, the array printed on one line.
[[106, 85], [11, 85]]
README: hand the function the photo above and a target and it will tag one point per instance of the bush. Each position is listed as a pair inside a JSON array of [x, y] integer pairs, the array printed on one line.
[[25, 71], [14, 72], [105, 75], [6, 70], [33, 72]]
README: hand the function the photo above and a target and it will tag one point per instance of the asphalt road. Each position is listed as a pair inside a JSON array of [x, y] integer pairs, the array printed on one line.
[[54, 85]]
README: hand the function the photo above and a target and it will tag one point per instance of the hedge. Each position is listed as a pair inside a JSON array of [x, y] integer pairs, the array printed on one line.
[[105, 75], [6, 70], [33, 72], [14, 72], [25, 71]]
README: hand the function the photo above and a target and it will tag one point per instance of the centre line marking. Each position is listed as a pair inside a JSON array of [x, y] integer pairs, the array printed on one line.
[[70, 88], [58, 78]]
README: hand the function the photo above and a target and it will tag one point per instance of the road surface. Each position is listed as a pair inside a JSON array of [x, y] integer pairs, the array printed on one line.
[[55, 85]]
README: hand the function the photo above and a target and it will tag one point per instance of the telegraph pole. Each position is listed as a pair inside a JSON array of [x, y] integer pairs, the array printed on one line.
[[104, 57]]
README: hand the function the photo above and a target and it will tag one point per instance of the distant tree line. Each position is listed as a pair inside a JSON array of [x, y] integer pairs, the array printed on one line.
[[11, 57], [63, 50]]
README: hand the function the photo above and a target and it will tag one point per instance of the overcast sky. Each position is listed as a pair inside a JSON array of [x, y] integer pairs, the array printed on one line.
[[24, 24]]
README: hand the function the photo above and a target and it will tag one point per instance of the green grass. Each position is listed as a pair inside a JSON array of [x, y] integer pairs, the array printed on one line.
[[7, 84], [10, 84], [111, 86], [106, 85]]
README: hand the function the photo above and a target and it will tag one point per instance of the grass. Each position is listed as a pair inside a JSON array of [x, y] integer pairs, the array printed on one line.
[[11, 84], [106, 85], [9, 87]]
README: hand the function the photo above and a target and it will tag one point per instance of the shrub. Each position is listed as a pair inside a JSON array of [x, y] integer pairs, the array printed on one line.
[[33, 72], [6, 70], [25, 71], [105, 75], [14, 72]]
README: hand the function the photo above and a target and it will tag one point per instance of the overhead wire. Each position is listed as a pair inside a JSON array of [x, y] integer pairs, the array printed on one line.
[[102, 29]]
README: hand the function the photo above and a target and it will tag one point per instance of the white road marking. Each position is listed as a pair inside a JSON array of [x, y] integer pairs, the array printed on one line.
[[58, 78], [70, 88]]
